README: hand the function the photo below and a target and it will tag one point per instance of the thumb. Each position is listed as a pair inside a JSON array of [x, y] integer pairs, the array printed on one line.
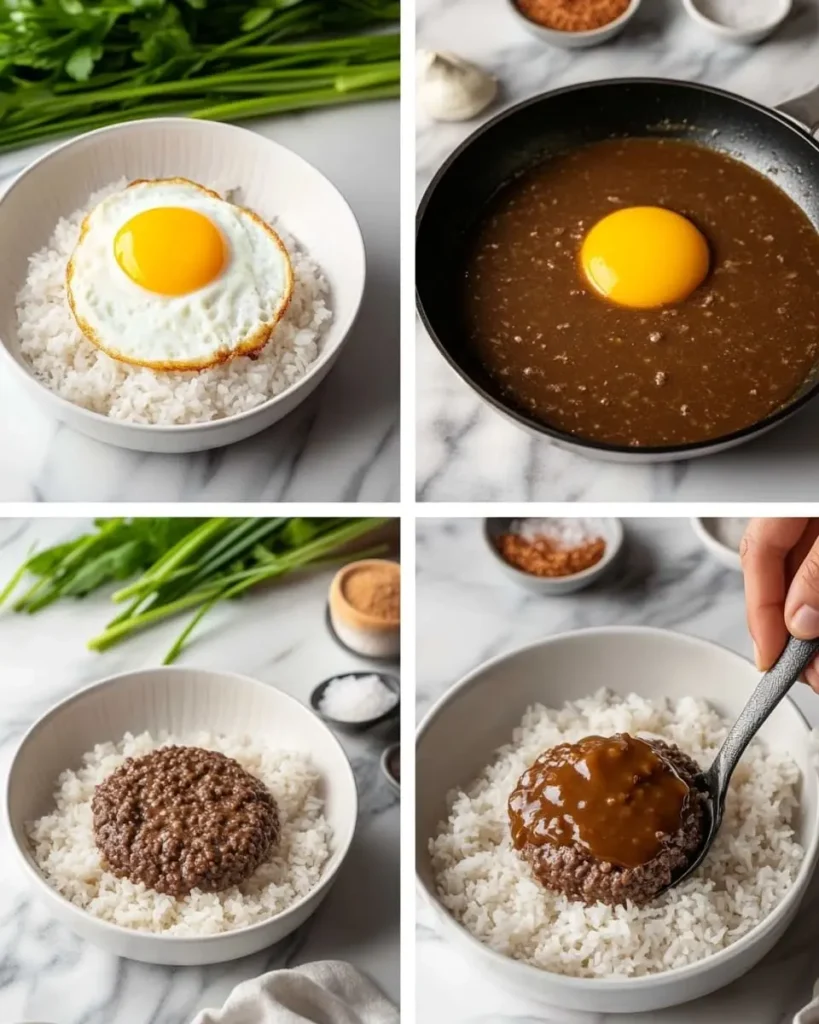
[[802, 603]]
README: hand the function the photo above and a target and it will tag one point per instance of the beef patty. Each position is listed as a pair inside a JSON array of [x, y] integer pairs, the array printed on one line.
[[610, 819], [183, 818]]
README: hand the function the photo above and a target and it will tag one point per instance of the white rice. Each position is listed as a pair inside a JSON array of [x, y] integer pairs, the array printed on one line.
[[66, 363], [488, 887], [63, 844]]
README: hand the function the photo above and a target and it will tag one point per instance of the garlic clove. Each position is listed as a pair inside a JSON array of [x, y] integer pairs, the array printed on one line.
[[451, 88]]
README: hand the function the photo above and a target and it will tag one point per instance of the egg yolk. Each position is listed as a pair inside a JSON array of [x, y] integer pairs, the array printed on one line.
[[644, 256], [170, 250]]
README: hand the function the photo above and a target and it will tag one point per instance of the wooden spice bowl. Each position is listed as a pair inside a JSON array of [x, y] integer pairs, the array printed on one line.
[[574, 40], [611, 530], [367, 634]]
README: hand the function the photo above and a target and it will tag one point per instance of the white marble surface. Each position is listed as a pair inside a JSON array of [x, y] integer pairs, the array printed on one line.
[[467, 612], [465, 452], [339, 445], [46, 972]]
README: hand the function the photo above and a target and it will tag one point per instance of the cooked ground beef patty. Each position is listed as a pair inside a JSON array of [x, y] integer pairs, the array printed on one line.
[[572, 869], [182, 818]]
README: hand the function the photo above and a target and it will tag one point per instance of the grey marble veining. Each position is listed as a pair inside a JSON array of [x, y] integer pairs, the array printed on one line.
[[46, 972], [468, 611], [464, 450], [341, 444]]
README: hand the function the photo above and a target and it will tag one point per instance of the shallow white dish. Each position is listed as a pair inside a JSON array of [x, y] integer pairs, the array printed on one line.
[[703, 528], [181, 701], [271, 178], [553, 586], [780, 9], [650, 662], [575, 40]]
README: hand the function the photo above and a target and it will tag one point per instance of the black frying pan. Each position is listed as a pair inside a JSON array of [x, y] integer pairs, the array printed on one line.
[[768, 140]]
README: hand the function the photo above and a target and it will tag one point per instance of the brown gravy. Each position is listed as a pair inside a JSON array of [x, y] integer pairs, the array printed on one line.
[[614, 796], [736, 350]]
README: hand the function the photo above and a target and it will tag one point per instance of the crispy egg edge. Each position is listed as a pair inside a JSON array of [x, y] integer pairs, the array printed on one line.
[[253, 343]]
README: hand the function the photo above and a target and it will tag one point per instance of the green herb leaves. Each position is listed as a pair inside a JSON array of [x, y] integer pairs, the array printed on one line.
[[182, 564], [72, 65]]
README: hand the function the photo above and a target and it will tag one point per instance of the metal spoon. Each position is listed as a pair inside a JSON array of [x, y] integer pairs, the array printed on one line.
[[770, 690]]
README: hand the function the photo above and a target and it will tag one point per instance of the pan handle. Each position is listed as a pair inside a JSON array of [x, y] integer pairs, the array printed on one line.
[[804, 109]]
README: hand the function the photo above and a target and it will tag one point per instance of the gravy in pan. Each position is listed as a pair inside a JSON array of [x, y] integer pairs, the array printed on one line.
[[738, 348]]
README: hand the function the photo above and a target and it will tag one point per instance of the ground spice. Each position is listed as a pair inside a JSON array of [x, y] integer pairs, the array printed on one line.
[[375, 590], [551, 547], [573, 15]]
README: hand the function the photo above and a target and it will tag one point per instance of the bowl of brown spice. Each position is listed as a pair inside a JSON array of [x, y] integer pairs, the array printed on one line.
[[554, 556], [365, 608], [573, 24]]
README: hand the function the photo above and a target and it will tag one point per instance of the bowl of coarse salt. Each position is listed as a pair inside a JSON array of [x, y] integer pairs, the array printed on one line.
[[554, 556], [739, 21], [357, 701]]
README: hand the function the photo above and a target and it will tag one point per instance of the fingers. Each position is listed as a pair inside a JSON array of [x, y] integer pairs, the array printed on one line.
[[802, 602], [764, 551]]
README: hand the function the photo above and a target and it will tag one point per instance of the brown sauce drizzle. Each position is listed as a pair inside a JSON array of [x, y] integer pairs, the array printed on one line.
[[615, 796]]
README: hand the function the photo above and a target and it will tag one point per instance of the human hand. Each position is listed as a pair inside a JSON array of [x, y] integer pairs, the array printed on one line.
[[780, 562]]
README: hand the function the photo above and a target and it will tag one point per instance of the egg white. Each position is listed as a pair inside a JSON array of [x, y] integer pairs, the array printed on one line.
[[232, 315]]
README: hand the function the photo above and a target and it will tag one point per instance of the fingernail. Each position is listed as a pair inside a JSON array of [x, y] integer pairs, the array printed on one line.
[[757, 659], [805, 622]]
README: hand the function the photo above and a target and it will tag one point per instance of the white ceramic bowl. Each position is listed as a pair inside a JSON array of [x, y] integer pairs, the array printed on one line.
[[272, 180], [650, 662], [555, 586], [728, 556], [182, 701], [779, 10], [575, 40], [386, 756]]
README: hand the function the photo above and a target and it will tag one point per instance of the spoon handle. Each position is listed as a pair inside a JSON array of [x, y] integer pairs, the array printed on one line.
[[770, 690]]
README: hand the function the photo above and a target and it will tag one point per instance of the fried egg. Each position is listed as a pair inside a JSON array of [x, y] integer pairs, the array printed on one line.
[[644, 256], [167, 274]]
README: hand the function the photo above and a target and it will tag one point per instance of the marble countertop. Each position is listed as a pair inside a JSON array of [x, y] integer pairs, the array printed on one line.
[[464, 450], [341, 444], [467, 611], [49, 974]]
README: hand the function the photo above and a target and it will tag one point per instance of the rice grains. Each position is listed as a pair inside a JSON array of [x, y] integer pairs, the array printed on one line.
[[750, 868]]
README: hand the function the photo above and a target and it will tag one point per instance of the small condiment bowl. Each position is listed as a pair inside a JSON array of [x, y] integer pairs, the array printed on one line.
[[728, 556], [575, 40], [179, 701], [364, 634], [780, 9], [611, 530], [357, 726], [390, 754]]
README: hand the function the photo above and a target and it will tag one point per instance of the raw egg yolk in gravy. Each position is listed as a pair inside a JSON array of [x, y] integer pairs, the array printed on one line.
[[644, 256], [170, 250]]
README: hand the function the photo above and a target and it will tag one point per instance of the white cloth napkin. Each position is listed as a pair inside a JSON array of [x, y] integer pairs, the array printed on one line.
[[326, 992]]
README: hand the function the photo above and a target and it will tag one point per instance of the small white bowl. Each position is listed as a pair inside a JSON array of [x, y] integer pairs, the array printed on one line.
[[553, 586], [386, 757], [780, 9], [272, 180], [575, 40], [483, 709], [704, 529], [180, 701]]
